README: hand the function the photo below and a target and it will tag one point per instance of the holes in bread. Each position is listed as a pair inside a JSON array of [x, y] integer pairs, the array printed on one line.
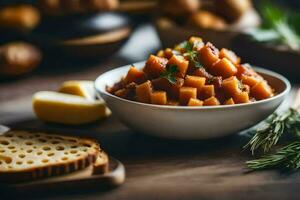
[[19, 162], [2, 150], [21, 156], [14, 151], [4, 142], [42, 140], [64, 158], [21, 136], [78, 155], [46, 148], [73, 151], [72, 140], [74, 146], [29, 150], [6, 159], [50, 154], [66, 153], [28, 143], [87, 145], [39, 153], [45, 160], [55, 142], [11, 147], [60, 148], [30, 162]]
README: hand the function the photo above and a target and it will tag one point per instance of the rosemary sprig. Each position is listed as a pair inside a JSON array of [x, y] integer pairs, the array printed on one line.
[[288, 157], [170, 74], [191, 53], [276, 126]]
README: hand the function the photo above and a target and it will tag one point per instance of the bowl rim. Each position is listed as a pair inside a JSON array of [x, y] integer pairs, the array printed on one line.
[[258, 69]]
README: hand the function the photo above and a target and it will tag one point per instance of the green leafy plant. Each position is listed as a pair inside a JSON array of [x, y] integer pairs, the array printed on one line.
[[170, 74], [279, 26]]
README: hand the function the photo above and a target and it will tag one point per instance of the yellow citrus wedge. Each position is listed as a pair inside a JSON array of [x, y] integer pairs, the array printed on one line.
[[67, 108], [80, 88]]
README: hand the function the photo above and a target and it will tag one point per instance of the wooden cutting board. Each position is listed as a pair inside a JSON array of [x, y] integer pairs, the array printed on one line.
[[77, 180]]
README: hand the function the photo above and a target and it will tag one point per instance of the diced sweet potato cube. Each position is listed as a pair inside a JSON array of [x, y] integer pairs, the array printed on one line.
[[250, 80], [181, 63], [122, 93], [186, 93], [245, 70], [135, 75], [197, 43], [212, 101], [159, 97], [242, 97], [195, 102], [224, 68], [194, 39], [261, 91], [208, 55], [155, 66], [231, 86], [229, 102], [143, 92], [207, 91], [165, 85], [195, 81], [230, 55], [168, 53], [160, 53]]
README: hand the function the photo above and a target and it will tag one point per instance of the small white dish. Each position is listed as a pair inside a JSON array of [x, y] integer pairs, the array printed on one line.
[[182, 122]]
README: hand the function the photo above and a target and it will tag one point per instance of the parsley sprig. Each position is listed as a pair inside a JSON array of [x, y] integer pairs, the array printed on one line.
[[191, 53], [170, 73]]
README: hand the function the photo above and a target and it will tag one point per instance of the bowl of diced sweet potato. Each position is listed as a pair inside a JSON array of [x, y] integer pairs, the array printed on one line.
[[193, 91]]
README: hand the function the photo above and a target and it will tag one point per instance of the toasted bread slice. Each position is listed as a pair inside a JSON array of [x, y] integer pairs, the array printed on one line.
[[26, 156], [101, 164]]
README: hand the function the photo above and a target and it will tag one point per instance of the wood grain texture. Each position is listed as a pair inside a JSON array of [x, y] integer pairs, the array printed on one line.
[[156, 168]]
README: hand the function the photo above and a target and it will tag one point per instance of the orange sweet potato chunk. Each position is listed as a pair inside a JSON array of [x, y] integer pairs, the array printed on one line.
[[224, 68], [229, 102], [250, 80], [186, 93], [155, 66], [181, 63], [208, 55], [143, 92], [231, 86], [207, 91], [195, 81], [242, 97], [261, 91], [195, 102], [159, 97], [230, 55], [135, 75], [212, 101]]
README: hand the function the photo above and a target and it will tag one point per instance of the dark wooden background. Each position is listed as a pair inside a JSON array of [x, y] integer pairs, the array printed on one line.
[[156, 168]]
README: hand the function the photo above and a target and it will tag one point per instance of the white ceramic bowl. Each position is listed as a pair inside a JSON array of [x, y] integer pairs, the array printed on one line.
[[181, 122]]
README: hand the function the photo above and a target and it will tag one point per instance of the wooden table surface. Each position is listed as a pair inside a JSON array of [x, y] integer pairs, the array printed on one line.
[[156, 168]]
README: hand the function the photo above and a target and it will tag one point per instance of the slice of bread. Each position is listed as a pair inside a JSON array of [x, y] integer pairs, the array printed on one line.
[[101, 164], [26, 156]]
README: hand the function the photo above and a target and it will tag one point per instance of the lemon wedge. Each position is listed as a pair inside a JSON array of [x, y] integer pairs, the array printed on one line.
[[67, 108], [80, 88]]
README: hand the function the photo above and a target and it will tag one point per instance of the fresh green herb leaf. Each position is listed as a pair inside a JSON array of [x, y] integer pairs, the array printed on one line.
[[191, 54], [279, 26], [170, 74], [276, 126], [288, 157]]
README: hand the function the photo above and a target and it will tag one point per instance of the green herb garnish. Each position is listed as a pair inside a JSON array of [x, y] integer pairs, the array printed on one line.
[[191, 53], [287, 158], [279, 26], [276, 126], [170, 74]]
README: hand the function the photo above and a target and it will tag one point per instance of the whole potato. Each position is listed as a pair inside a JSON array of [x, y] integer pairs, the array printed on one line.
[[206, 19], [232, 10], [180, 7], [18, 58], [19, 17]]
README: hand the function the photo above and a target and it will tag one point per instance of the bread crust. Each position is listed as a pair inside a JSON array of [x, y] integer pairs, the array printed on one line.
[[28, 173]]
